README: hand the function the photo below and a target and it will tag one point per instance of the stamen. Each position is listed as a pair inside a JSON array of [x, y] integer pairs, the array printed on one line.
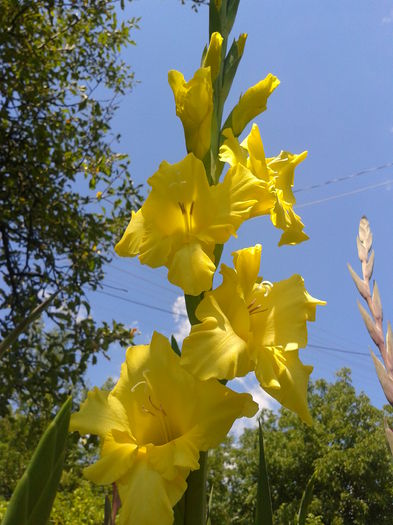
[[187, 217], [137, 385], [252, 303], [268, 285], [146, 410], [153, 405], [257, 309]]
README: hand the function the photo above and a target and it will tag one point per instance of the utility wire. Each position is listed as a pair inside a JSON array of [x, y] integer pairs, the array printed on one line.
[[346, 177], [164, 310], [322, 347], [115, 288], [128, 272], [346, 194], [145, 305]]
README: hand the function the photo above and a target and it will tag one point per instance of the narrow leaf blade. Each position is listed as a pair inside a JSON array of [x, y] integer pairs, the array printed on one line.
[[35, 492], [306, 500], [175, 346], [264, 513], [107, 512]]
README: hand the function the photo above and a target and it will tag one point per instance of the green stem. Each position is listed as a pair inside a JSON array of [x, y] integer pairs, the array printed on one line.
[[195, 497], [194, 501]]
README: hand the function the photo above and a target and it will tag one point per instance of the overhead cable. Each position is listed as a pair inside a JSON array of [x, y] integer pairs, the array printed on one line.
[[344, 178], [346, 194]]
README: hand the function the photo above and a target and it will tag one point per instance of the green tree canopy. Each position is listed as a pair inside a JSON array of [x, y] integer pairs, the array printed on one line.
[[61, 81], [346, 446]]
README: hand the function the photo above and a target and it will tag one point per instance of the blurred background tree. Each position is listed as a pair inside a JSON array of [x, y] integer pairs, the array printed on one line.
[[65, 192], [346, 445]]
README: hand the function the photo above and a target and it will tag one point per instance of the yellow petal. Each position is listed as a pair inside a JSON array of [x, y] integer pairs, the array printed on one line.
[[217, 408], [179, 453], [129, 244], [236, 196], [99, 414], [145, 499], [112, 466], [285, 310], [231, 151], [213, 349], [246, 263], [284, 168], [283, 376], [241, 42], [181, 194], [252, 103], [257, 161], [194, 107], [191, 269], [213, 55], [293, 229]]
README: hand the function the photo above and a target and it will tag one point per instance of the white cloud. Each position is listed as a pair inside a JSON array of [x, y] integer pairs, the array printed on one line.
[[250, 385], [182, 324]]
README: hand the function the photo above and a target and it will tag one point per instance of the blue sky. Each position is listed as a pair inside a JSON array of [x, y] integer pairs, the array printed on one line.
[[335, 62]]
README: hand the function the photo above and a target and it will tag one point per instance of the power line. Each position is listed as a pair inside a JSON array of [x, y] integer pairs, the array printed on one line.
[[128, 272], [321, 347], [145, 305], [346, 177], [115, 288], [164, 310], [346, 194]]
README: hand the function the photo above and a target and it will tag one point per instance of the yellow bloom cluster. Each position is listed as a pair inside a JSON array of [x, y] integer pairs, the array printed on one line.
[[276, 175], [166, 409], [152, 426], [249, 324]]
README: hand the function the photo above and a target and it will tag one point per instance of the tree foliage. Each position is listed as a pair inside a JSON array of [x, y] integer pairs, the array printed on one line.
[[61, 81], [346, 446]]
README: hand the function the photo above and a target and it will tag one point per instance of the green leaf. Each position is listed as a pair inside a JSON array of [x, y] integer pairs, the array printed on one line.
[[232, 61], [13, 336], [175, 346], [264, 514], [306, 500], [209, 507], [192, 302], [178, 512], [32, 500], [107, 512]]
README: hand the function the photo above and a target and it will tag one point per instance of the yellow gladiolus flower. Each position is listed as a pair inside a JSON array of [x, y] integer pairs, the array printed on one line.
[[194, 107], [152, 426], [252, 103], [276, 175], [183, 219], [249, 324], [213, 55]]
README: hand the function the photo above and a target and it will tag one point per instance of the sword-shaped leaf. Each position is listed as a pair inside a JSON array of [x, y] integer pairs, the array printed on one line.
[[306, 500], [32, 500], [264, 513]]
